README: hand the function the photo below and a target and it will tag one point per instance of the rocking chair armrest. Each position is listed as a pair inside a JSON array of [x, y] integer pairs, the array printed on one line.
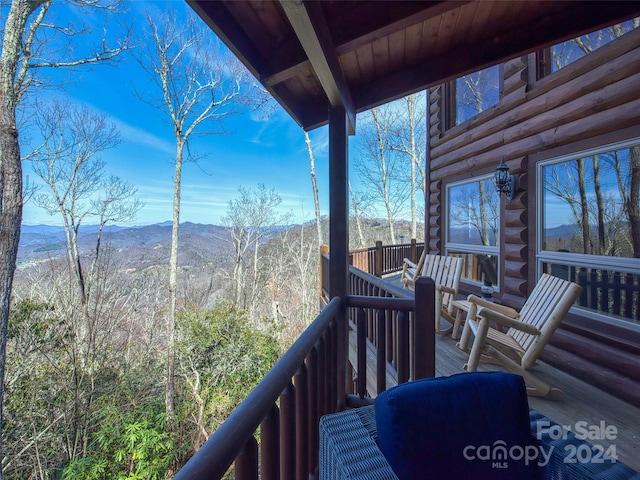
[[445, 289], [409, 263], [508, 321], [487, 304]]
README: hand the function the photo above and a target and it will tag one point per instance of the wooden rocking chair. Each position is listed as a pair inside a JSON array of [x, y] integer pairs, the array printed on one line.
[[529, 330], [445, 272]]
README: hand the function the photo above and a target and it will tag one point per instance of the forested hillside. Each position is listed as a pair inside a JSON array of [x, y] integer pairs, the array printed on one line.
[[86, 385]]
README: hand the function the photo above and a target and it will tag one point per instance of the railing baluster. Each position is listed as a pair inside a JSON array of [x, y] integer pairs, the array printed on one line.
[[381, 360], [328, 376], [361, 342], [332, 378], [247, 461], [322, 368], [403, 348], [389, 336], [302, 419], [314, 417], [629, 300], [288, 432], [617, 293], [269, 445]]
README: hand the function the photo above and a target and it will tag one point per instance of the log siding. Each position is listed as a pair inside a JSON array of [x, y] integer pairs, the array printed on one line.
[[593, 101]]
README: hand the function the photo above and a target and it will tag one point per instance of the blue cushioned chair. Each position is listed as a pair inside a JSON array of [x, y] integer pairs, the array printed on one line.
[[470, 425]]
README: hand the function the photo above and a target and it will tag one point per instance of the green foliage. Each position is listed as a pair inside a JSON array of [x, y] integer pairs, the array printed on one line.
[[132, 445], [222, 356], [23, 317], [225, 346], [53, 401]]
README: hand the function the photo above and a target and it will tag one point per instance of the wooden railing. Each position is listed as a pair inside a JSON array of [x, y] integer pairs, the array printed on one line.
[[384, 259], [399, 325], [607, 291], [285, 407]]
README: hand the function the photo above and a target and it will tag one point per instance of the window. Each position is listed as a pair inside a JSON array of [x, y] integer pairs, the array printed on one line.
[[589, 226], [472, 94], [565, 53], [473, 216]]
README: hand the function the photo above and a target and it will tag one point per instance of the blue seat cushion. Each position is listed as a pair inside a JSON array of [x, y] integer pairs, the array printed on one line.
[[466, 426]]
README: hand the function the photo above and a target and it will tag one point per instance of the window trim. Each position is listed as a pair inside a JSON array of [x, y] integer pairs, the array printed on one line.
[[622, 264], [455, 247], [450, 114]]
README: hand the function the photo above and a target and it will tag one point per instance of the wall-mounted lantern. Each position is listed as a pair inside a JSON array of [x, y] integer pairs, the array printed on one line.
[[505, 182]]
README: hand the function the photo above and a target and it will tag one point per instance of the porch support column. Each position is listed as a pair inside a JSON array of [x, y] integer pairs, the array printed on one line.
[[339, 236]]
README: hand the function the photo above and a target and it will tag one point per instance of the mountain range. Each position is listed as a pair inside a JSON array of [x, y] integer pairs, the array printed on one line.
[[136, 247]]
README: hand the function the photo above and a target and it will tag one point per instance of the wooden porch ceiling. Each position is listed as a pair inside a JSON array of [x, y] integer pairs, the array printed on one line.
[[313, 55]]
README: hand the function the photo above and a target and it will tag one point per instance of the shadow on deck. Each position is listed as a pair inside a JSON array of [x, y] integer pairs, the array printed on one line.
[[583, 407]]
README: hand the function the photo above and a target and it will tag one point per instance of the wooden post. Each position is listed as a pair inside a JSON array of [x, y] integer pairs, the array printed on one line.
[[339, 238], [378, 259], [361, 353], [381, 355], [247, 461], [288, 432], [300, 382], [269, 445], [424, 329]]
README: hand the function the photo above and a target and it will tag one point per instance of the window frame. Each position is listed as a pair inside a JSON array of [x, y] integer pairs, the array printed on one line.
[[454, 247], [450, 119], [543, 58], [621, 264]]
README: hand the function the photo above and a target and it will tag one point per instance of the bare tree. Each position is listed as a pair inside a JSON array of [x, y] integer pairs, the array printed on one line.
[[26, 50], [68, 163], [251, 219], [314, 186], [477, 205], [629, 187], [380, 167], [410, 138], [196, 85], [355, 207]]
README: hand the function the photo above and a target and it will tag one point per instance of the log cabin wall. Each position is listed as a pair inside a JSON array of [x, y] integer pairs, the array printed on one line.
[[591, 102]]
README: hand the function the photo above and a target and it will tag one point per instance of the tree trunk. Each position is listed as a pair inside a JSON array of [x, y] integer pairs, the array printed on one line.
[[384, 174], [10, 173], [173, 284], [602, 242], [314, 184], [633, 203], [411, 112], [584, 208], [356, 214], [484, 220]]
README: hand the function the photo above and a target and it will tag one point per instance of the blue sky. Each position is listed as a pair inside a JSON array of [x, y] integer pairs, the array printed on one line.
[[270, 151]]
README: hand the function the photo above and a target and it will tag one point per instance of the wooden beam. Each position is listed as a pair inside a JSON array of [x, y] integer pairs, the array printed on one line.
[[295, 63], [311, 29]]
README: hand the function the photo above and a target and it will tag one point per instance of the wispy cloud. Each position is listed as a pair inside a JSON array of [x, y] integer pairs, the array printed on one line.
[[144, 138]]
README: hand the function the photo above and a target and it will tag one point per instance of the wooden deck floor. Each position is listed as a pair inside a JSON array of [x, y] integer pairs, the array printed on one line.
[[581, 402]]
